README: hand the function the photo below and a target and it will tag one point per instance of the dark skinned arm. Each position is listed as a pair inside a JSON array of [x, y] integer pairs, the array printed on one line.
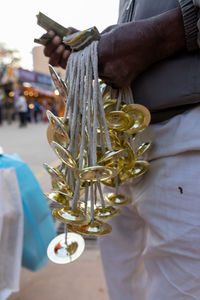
[[131, 48]]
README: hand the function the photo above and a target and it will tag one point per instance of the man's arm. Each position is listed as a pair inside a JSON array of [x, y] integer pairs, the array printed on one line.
[[130, 48]]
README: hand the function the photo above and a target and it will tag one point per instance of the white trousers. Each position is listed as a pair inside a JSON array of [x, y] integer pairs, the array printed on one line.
[[153, 252]]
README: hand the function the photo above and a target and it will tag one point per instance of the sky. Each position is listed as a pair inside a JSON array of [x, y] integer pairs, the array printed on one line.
[[18, 23]]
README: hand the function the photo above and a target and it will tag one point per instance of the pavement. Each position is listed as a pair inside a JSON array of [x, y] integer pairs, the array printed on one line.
[[83, 279]]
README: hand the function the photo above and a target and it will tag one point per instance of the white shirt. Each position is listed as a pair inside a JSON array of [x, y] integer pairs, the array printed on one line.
[[21, 104]]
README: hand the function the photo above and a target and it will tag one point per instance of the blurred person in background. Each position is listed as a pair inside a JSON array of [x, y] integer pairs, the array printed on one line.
[[21, 107], [9, 109], [1, 109], [17, 87], [37, 111]]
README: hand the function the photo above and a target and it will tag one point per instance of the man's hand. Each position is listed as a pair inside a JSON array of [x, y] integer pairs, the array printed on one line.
[[126, 50], [131, 48], [57, 52]]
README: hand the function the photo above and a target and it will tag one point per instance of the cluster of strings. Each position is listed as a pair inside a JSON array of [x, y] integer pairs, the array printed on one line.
[[97, 144]]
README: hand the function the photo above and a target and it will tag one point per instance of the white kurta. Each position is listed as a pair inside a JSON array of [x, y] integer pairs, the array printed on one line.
[[153, 252]]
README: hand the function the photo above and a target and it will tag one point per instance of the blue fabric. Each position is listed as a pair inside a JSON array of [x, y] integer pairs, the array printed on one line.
[[39, 228]]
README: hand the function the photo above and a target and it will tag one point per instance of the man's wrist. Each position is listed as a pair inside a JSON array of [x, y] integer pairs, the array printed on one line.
[[162, 36], [131, 48], [169, 34]]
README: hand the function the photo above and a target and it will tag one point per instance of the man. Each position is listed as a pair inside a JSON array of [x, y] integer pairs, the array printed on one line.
[[9, 109], [153, 252], [21, 107]]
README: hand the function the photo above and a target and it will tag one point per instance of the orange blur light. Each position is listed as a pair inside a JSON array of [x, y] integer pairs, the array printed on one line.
[[11, 94], [31, 106], [25, 93]]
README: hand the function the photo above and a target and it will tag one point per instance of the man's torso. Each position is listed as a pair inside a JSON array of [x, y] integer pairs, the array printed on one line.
[[172, 85]]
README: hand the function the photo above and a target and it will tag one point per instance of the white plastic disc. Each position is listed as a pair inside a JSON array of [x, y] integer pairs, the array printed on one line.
[[59, 253]]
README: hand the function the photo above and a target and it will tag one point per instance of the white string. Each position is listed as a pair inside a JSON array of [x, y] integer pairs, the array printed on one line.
[[119, 100], [101, 109], [84, 110], [76, 105], [84, 103], [71, 70], [92, 201], [101, 134], [76, 194], [101, 194], [66, 232], [95, 101], [89, 130]]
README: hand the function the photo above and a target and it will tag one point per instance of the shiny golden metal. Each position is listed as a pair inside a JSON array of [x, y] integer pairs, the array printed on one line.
[[55, 184], [124, 176], [53, 135], [58, 197], [115, 142], [110, 105], [142, 149], [140, 167], [99, 138], [140, 114], [58, 125], [96, 228], [111, 156], [99, 152], [128, 157], [96, 173], [61, 140], [55, 173], [65, 191], [59, 83], [50, 133], [106, 213], [85, 159], [71, 248], [69, 216], [59, 252], [119, 120], [113, 159], [107, 93], [111, 182], [117, 199], [65, 156], [64, 88]]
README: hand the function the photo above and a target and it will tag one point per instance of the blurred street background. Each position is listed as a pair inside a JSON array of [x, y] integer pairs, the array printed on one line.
[[84, 277]]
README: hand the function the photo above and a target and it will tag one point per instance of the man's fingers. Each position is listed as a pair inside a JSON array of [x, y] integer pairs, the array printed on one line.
[[57, 55], [52, 45], [51, 34], [64, 58]]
